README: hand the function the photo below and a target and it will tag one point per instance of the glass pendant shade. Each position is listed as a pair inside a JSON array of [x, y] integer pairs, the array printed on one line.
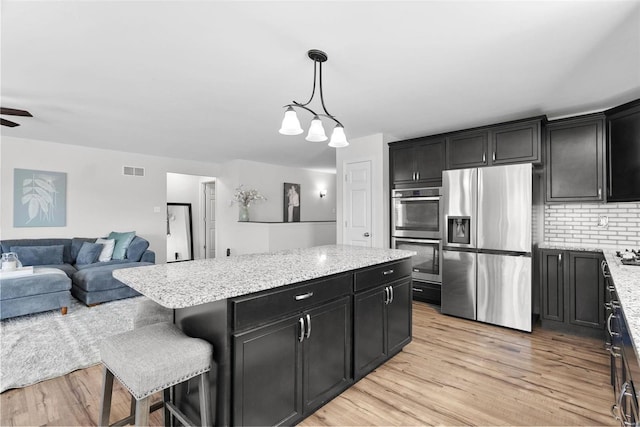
[[290, 123], [338, 138], [316, 131]]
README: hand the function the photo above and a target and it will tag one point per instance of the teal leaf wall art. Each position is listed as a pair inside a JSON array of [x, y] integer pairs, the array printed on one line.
[[39, 198]]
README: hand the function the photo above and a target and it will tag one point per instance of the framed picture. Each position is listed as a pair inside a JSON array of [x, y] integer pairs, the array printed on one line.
[[39, 198], [291, 202]]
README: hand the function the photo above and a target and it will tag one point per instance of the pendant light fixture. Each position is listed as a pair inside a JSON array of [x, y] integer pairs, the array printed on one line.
[[291, 124]]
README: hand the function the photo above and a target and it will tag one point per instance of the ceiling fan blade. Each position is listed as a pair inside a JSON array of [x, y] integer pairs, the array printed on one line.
[[14, 112], [9, 123]]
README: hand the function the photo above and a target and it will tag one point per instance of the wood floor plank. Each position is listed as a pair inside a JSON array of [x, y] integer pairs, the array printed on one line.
[[454, 372]]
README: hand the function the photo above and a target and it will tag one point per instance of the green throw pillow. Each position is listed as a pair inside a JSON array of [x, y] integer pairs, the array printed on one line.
[[122, 243]]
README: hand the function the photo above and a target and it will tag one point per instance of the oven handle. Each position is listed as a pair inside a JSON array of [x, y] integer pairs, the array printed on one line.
[[417, 199], [402, 239]]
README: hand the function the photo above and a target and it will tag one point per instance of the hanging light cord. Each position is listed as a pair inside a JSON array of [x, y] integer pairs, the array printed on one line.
[[313, 92]]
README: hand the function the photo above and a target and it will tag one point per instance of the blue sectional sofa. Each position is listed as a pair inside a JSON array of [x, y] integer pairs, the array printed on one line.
[[92, 283]]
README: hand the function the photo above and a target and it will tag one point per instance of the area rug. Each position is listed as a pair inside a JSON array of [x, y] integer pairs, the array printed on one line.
[[46, 345]]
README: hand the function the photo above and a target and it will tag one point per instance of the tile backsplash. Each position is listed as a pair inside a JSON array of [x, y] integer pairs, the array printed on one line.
[[610, 225]]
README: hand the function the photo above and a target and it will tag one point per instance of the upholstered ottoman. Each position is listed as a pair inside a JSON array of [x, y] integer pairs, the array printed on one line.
[[97, 284], [45, 289]]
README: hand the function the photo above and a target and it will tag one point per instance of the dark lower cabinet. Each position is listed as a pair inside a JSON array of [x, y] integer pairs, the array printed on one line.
[[287, 369], [382, 324], [572, 291]]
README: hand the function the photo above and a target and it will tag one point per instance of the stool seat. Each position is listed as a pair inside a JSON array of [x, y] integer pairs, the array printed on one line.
[[154, 358]]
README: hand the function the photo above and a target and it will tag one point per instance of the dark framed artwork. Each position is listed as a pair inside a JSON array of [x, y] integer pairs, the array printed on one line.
[[291, 202]]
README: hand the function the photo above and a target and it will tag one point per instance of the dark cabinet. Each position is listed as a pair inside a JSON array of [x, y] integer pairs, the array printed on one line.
[[287, 369], [623, 153], [572, 291], [575, 159], [467, 149], [512, 142], [419, 162], [382, 324], [516, 142]]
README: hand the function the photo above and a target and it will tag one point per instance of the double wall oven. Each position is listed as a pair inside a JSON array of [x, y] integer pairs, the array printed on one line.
[[416, 225]]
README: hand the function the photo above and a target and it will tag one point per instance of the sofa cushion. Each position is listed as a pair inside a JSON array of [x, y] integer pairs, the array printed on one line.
[[123, 240], [42, 281], [76, 244], [66, 255], [136, 249], [68, 269], [107, 249], [100, 278], [89, 253], [39, 255]]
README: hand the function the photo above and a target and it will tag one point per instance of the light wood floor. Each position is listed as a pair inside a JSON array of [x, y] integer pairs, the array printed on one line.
[[455, 372]]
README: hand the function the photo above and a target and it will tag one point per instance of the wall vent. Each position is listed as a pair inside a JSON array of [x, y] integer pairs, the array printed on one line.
[[132, 171]]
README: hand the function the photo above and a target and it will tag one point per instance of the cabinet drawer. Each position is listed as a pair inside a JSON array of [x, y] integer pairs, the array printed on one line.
[[380, 274], [260, 308], [427, 292]]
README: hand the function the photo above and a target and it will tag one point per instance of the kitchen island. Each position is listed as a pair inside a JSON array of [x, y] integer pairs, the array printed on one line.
[[291, 329]]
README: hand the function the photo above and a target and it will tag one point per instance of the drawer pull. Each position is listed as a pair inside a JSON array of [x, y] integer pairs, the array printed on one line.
[[303, 296], [387, 272], [417, 290]]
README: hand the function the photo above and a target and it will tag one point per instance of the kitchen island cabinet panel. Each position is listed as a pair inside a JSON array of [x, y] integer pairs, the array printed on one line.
[[399, 316], [267, 379]]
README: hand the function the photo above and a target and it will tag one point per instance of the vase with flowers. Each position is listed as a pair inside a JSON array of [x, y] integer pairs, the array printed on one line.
[[244, 198]]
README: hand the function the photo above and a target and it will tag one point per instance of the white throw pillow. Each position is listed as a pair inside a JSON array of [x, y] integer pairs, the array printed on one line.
[[107, 250]]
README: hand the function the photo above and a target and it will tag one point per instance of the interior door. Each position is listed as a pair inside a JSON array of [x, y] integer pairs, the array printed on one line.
[[210, 219], [357, 204]]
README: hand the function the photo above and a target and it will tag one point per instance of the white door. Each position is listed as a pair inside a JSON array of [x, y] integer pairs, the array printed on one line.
[[357, 204], [210, 220]]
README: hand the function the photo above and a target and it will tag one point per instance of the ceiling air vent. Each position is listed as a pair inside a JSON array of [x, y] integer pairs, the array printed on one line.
[[132, 171]]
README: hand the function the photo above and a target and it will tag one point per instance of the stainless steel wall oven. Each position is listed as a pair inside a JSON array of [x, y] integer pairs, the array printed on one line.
[[416, 226]]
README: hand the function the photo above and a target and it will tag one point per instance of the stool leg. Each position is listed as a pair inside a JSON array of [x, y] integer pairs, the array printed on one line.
[[205, 400], [166, 397], [105, 397], [142, 411]]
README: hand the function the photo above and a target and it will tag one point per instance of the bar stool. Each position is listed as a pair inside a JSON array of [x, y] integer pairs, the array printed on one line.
[[149, 312], [154, 358]]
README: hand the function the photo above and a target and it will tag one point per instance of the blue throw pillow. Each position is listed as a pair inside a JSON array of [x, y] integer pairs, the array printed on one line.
[[39, 255], [89, 253], [123, 240]]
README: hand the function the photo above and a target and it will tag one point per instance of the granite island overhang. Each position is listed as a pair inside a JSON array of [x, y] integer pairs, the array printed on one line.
[[290, 329]]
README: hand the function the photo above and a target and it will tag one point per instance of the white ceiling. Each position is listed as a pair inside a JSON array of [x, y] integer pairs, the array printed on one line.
[[206, 80]]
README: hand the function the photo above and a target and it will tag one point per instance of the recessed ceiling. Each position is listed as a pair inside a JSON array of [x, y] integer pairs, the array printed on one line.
[[207, 80]]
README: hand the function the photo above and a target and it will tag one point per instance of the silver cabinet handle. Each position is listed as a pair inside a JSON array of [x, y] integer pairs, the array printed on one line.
[[605, 271], [484, 157], [391, 292], [559, 257], [494, 156], [414, 176], [301, 336], [308, 334], [366, 234], [387, 272], [611, 333], [417, 290], [599, 193], [303, 296], [386, 295], [418, 176]]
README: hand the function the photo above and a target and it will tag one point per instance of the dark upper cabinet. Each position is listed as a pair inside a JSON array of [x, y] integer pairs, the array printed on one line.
[[467, 149], [418, 163], [507, 143], [516, 143], [623, 153], [575, 159], [572, 291]]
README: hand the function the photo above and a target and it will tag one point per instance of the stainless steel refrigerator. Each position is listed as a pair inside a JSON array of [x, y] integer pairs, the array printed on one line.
[[487, 244]]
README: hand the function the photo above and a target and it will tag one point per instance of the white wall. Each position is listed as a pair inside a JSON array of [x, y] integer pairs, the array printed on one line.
[[375, 149], [100, 199], [268, 180]]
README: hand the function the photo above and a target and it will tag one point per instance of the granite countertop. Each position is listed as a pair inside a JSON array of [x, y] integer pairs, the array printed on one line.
[[626, 279], [568, 247], [185, 284]]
